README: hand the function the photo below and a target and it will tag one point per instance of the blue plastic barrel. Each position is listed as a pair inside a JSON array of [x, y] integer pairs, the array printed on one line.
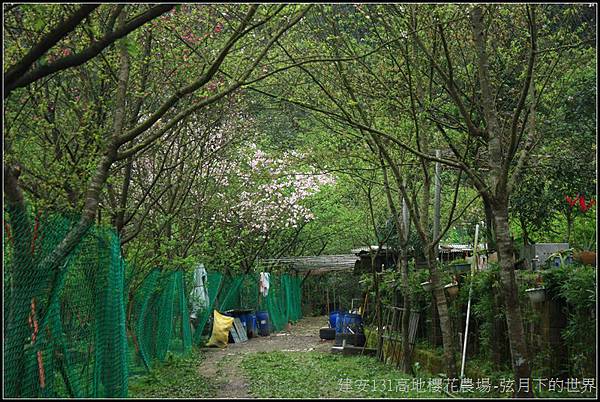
[[352, 323], [333, 318], [339, 324], [263, 323], [244, 320], [251, 324]]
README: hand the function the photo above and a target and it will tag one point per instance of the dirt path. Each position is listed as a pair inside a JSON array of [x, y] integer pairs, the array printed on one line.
[[221, 366]]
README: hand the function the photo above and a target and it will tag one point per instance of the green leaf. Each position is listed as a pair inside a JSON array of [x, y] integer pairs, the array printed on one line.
[[39, 24], [132, 47]]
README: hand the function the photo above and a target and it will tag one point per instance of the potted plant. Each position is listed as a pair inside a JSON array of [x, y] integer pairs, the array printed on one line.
[[538, 293], [452, 287], [560, 258], [427, 286], [587, 255]]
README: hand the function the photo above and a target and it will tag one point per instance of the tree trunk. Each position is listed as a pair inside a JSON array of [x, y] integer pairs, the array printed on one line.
[[570, 219], [402, 229], [406, 363], [442, 308], [514, 321], [489, 228], [377, 306]]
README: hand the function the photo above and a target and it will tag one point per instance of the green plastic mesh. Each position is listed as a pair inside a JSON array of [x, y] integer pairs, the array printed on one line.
[[64, 330], [161, 318], [212, 283], [231, 300], [283, 301]]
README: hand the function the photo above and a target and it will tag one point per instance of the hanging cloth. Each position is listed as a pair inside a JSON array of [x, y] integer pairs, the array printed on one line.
[[264, 283], [199, 294]]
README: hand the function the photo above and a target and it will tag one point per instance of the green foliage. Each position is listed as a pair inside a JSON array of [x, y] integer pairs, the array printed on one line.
[[577, 286], [573, 284], [485, 307], [177, 377], [420, 297], [58, 128], [564, 164]]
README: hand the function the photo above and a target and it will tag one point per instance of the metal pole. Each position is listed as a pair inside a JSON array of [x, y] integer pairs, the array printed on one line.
[[437, 201], [473, 265]]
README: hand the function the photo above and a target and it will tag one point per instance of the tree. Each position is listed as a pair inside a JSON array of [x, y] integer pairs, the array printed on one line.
[[120, 142], [483, 105], [29, 69]]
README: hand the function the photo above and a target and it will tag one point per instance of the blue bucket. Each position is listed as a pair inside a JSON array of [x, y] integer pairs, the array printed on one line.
[[333, 316], [263, 323]]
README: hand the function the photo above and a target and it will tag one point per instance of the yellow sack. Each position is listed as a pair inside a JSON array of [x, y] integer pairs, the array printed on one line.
[[220, 332]]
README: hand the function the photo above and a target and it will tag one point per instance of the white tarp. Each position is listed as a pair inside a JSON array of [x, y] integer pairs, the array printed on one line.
[[199, 295]]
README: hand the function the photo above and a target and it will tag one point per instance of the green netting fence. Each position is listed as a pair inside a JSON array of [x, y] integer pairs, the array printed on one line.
[[76, 332], [160, 319], [283, 300], [64, 331]]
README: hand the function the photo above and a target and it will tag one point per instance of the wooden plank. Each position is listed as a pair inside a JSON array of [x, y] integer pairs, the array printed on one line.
[[234, 334], [358, 350], [241, 331], [353, 350], [412, 329]]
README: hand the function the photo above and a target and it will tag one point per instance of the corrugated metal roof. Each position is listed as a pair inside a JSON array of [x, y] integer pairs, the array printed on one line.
[[338, 262], [367, 249]]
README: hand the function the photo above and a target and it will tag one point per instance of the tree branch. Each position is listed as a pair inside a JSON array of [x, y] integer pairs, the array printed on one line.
[[63, 28], [88, 53]]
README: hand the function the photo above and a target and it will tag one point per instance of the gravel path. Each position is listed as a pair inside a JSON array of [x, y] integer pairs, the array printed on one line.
[[221, 366]]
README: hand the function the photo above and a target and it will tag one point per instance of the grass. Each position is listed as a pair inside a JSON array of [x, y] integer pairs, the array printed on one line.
[[177, 377], [326, 375], [301, 375]]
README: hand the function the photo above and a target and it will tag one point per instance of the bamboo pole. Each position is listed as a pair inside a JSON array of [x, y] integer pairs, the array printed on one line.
[[473, 265]]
